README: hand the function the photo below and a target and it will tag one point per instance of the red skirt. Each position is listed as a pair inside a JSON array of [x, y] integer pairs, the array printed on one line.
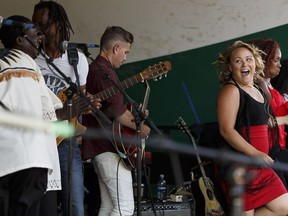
[[264, 185]]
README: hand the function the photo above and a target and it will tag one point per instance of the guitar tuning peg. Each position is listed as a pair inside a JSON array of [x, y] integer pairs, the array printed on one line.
[[160, 77], [165, 75], [155, 79]]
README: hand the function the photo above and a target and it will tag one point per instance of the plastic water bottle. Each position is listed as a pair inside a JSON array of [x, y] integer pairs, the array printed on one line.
[[161, 188]]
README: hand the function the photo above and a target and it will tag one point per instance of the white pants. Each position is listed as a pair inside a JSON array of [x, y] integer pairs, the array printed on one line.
[[115, 182]]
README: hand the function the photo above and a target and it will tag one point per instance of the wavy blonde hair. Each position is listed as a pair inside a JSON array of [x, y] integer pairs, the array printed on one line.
[[223, 61]]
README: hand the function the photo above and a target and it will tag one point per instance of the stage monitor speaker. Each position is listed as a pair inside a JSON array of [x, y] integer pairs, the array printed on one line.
[[167, 209]]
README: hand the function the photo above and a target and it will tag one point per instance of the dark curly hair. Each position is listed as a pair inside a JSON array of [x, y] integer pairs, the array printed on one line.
[[57, 14], [269, 47]]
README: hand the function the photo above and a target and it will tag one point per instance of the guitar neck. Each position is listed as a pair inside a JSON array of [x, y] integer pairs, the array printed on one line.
[[206, 183], [111, 91], [184, 127], [198, 157], [152, 72]]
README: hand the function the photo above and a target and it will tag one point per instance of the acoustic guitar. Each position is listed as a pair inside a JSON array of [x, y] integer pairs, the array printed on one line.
[[151, 73], [203, 188]]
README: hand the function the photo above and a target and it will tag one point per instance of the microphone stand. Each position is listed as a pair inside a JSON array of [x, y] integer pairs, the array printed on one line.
[[238, 175], [73, 89], [73, 60]]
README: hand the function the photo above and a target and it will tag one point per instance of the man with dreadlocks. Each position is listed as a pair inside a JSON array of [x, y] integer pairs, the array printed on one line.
[[56, 27], [26, 155]]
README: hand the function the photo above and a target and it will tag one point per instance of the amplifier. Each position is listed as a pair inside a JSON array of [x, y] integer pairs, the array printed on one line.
[[167, 208]]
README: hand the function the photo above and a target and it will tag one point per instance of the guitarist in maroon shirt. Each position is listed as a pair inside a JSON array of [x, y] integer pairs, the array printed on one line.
[[115, 180]]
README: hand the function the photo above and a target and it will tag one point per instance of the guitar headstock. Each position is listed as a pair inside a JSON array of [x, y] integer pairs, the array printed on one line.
[[182, 125], [156, 71]]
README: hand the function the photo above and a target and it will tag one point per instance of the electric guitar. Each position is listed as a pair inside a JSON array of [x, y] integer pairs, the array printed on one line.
[[203, 189], [129, 149], [151, 73]]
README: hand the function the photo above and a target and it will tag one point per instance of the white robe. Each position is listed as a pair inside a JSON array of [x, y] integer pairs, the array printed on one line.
[[23, 91]]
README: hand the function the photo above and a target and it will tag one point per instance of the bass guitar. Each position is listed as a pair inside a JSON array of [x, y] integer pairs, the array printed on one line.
[[130, 148], [151, 73], [202, 190]]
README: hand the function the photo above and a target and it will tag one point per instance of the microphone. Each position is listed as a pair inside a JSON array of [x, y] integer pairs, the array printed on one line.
[[66, 45], [7, 22]]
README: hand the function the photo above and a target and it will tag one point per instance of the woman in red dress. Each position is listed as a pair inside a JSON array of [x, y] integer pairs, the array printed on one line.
[[245, 117]]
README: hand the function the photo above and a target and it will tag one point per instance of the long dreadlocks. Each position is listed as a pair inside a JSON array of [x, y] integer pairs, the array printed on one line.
[[57, 14]]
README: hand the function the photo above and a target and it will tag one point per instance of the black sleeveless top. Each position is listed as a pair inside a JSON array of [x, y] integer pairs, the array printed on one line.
[[253, 113], [256, 113]]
